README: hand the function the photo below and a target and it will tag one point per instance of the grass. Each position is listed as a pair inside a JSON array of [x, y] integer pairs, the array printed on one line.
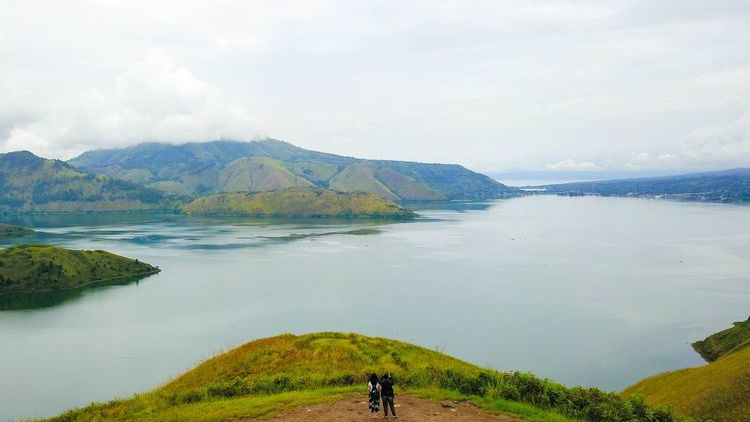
[[719, 391], [41, 268], [267, 376], [258, 174], [298, 202], [724, 342]]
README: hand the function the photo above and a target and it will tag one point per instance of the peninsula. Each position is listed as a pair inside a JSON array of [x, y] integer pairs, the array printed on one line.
[[38, 268]]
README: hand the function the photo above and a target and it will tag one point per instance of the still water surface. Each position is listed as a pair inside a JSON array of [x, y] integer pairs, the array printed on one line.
[[591, 291]]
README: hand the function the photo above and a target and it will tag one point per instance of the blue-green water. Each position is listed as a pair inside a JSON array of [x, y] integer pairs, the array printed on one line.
[[592, 291]]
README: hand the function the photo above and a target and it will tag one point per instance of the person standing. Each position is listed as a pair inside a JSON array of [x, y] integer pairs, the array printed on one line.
[[373, 392], [386, 391]]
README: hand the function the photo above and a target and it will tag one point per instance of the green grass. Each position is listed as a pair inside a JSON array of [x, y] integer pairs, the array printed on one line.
[[7, 230], [298, 202], [724, 342], [264, 377], [719, 391], [38, 268]]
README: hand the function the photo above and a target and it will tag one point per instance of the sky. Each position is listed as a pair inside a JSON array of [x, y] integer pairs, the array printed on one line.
[[636, 85]]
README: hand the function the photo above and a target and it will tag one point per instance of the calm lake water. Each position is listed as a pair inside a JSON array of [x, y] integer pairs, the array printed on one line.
[[591, 291]]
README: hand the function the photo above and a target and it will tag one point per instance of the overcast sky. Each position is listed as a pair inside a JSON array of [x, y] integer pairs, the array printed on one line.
[[495, 85]]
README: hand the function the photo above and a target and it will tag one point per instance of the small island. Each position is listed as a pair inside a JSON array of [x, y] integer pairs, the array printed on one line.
[[41, 268], [299, 202], [7, 230]]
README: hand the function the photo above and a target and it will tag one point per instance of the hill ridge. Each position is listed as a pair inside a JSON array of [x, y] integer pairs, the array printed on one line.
[[29, 183], [194, 168]]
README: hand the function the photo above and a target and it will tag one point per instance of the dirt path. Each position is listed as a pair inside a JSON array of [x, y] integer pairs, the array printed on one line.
[[409, 409]]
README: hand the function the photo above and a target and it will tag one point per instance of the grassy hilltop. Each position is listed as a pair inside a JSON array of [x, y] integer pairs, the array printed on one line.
[[36, 268], [719, 391], [265, 377], [299, 202]]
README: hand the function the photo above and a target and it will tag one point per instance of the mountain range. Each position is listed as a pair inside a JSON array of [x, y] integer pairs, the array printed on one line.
[[197, 169], [716, 186]]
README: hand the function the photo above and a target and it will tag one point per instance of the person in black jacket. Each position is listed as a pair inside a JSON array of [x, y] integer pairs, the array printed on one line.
[[373, 395], [386, 392]]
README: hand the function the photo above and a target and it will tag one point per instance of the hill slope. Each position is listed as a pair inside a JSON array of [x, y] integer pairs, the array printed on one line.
[[258, 174], [32, 184], [265, 377], [720, 186], [719, 391], [32, 268], [298, 202], [201, 168]]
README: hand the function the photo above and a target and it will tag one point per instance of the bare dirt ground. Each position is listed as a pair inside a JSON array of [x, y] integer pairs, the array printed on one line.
[[409, 409]]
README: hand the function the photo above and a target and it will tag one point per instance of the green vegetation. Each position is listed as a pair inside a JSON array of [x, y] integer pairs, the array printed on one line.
[[226, 166], [32, 184], [720, 186], [37, 268], [7, 230], [724, 342], [299, 202], [265, 377], [719, 391]]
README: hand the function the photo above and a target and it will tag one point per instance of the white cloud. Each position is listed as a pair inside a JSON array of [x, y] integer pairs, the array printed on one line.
[[491, 85], [153, 99], [711, 147], [572, 165]]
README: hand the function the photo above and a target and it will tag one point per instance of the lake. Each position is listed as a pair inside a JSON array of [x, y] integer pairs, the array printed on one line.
[[591, 291]]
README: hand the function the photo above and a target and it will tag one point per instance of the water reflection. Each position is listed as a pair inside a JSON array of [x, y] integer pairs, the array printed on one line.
[[40, 300]]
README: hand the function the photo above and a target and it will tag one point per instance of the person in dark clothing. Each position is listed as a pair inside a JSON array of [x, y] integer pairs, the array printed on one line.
[[386, 390], [373, 392]]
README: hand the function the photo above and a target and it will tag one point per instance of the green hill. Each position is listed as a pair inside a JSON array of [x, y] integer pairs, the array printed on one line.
[[36, 268], [265, 377], [212, 167], [32, 184], [724, 342], [719, 391], [298, 202], [6, 230]]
